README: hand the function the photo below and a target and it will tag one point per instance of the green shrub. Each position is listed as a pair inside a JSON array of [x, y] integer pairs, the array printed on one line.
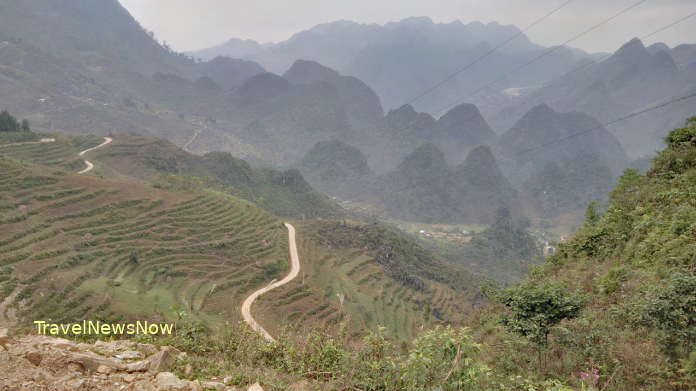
[[670, 309], [611, 282], [444, 359]]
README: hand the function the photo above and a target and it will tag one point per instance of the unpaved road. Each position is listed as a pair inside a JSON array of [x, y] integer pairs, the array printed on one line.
[[294, 272], [195, 136], [90, 166]]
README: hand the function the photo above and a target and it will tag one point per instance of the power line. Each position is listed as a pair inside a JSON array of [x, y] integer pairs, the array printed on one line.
[[629, 116], [668, 26], [624, 118], [466, 67], [551, 50], [554, 49], [487, 54], [539, 57], [643, 38]]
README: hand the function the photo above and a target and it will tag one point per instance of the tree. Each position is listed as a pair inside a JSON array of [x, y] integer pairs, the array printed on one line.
[[25, 126], [133, 258], [8, 123], [535, 308], [592, 214]]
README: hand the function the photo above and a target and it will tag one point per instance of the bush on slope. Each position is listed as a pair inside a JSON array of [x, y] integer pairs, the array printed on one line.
[[635, 266]]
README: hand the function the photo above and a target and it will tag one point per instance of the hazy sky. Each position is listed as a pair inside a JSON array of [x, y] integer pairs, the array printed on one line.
[[189, 24]]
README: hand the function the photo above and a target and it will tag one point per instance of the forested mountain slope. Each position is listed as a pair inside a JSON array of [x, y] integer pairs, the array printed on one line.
[[625, 285]]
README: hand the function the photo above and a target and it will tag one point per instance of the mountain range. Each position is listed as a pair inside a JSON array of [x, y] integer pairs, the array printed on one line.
[[634, 78], [84, 79], [379, 239], [402, 59]]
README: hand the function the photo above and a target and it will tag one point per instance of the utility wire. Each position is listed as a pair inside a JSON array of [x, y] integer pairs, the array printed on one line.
[[629, 116], [468, 66], [554, 49], [643, 38], [668, 26], [550, 51], [539, 57], [624, 118], [486, 55]]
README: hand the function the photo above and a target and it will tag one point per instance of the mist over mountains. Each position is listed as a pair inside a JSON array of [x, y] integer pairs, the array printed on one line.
[[634, 78], [379, 219], [330, 101], [402, 59]]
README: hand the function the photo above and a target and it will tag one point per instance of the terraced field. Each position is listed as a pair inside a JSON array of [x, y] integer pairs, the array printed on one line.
[[74, 247], [80, 247], [345, 283], [63, 152]]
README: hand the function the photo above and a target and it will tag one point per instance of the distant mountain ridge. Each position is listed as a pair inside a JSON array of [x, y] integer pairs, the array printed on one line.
[[634, 78], [402, 59], [355, 37]]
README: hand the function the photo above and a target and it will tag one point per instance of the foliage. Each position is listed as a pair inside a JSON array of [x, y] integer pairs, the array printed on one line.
[[681, 154], [634, 263], [504, 250], [402, 258], [536, 309], [592, 214], [8, 123], [671, 308], [443, 358], [283, 193]]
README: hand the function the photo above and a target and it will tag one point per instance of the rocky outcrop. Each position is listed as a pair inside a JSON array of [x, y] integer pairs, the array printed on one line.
[[56, 364]]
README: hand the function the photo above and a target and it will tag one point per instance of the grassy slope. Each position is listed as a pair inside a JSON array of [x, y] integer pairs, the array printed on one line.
[[620, 263], [61, 153], [66, 238], [282, 193], [69, 239]]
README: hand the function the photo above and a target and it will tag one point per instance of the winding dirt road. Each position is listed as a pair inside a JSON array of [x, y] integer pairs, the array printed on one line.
[[195, 136], [294, 272], [90, 166]]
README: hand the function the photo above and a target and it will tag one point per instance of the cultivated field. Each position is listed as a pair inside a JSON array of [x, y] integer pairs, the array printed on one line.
[[348, 283], [78, 247], [74, 247]]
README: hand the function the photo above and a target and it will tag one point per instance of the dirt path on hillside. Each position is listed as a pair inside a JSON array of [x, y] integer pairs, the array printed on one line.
[[294, 272], [90, 166], [195, 136]]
